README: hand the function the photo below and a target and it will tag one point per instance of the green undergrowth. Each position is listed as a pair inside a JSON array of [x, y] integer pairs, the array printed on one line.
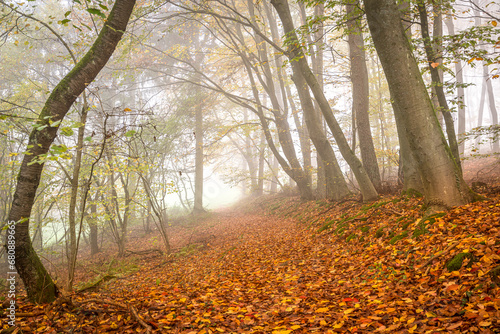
[[391, 219]]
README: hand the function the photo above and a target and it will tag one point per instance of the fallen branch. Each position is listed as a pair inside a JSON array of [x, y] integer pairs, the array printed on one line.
[[446, 251], [147, 251], [97, 283], [139, 319], [24, 314], [132, 310]]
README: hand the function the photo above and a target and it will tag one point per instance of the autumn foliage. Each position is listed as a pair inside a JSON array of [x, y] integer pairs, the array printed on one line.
[[281, 265]]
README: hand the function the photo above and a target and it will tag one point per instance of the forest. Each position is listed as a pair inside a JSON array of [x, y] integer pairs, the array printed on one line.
[[232, 166]]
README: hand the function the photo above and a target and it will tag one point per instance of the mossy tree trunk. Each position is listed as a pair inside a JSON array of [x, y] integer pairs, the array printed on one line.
[[441, 177], [37, 281]]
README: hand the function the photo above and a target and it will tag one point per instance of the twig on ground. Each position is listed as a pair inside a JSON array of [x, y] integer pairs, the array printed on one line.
[[128, 307], [446, 251]]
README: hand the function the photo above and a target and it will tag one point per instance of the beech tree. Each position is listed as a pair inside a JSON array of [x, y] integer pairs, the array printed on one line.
[[361, 93], [300, 67], [37, 281], [441, 177]]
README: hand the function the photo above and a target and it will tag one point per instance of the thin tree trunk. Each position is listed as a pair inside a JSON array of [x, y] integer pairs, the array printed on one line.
[[361, 93], [198, 179], [94, 230], [299, 64], [262, 153], [459, 77], [37, 281], [75, 178], [437, 83]]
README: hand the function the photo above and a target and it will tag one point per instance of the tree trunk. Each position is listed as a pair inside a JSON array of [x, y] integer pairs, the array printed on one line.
[[75, 178], [292, 167], [94, 230], [437, 82], [459, 77], [262, 154], [360, 93], [299, 64], [198, 178], [336, 187], [442, 179], [37, 281]]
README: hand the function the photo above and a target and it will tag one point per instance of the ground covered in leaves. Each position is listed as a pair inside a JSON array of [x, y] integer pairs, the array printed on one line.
[[280, 265]]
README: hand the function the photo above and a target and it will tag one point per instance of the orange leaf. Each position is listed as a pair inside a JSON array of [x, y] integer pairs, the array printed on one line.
[[434, 65]]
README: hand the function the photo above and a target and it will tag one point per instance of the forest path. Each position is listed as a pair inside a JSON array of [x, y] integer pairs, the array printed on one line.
[[269, 274], [258, 272], [265, 273]]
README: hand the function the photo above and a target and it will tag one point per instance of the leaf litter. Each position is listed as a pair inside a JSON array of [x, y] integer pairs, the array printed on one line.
[[280, 265]]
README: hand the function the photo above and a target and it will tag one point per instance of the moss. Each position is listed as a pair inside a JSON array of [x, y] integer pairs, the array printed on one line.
[[379, 233], [405, 225], [398, 237], [412, 193], [495, 275], [350, 237], [328, 223], [418, 232], [421, 229], [365, 229], [457, 261], [374, 205], [432, 218], [340, 231]]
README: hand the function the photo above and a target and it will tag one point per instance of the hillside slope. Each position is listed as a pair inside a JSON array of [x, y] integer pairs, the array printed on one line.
[[280, 265]]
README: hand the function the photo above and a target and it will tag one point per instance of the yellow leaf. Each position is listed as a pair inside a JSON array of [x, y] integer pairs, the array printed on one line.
[[412, 329], [220, 330], [338, 325], [322, 323], [494, 23], [294, 327], [289, 309], [282, 332], [410, 321], [349, 310], [127, 109], [322, 310], [485, 323]]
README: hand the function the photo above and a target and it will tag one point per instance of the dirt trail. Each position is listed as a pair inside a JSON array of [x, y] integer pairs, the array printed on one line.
[[266, 274]]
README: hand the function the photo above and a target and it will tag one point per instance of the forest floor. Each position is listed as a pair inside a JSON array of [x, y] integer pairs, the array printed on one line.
[[280, 265]]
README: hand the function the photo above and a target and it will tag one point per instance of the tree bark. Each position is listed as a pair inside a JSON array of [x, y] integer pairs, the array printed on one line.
[[75, 178], [94, 230], [361, 93], [336, 186], [459, 77], [299, 64], [198, 178], [442, 179], [437, 82], [37, 281]]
